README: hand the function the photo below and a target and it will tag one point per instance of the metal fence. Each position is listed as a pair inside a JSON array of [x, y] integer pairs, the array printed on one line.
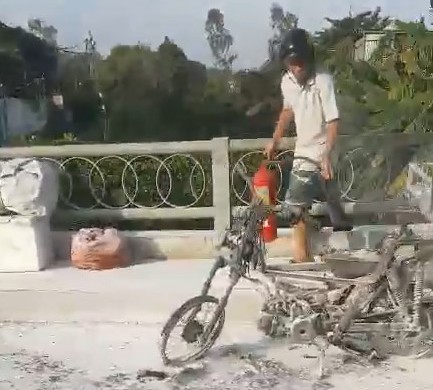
[[197, 180]]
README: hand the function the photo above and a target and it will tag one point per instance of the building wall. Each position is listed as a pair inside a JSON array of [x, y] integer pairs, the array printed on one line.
[[359, 50], [371, 44], [365, 47]]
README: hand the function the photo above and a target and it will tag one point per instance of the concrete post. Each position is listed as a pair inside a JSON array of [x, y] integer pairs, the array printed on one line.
[[221, 184]]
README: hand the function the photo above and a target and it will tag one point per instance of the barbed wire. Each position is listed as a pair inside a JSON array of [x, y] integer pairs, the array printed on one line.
[[348, 172], [79, 172], [183, 180]]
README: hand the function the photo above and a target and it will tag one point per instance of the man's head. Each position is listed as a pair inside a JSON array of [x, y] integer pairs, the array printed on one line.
[[297, 54]]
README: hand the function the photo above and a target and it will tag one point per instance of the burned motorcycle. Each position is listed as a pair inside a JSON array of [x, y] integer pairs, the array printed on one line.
[[381, 307]]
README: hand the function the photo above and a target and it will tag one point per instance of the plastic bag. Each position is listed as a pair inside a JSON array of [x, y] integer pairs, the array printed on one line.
[[28, 186], [98, 249]]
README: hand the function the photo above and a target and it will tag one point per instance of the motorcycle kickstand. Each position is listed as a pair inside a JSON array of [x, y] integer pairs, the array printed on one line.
[[322, 344]]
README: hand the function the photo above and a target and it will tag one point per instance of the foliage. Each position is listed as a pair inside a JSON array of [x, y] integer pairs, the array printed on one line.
[[397, 79], [24, 60], [281, 22], [349, 29], [220, 40], [41, 30], [140, 94]]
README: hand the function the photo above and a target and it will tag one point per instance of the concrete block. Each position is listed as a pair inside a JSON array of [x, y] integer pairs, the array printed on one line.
[[374, 235], [361, 237], [339, 241], [25, 244]]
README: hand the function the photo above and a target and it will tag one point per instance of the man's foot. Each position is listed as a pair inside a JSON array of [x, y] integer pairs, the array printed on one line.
[[303, 260]]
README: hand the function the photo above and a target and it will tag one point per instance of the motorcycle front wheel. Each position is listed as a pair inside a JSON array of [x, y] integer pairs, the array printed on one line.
[[192, 330]]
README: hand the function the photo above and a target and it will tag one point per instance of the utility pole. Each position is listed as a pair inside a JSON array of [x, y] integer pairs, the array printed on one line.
[[91, 52]]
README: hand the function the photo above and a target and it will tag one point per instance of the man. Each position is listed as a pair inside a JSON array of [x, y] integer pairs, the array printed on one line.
[[309, 101]]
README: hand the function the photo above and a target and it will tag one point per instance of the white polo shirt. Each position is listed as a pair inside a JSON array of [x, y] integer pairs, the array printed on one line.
[[313, 105]]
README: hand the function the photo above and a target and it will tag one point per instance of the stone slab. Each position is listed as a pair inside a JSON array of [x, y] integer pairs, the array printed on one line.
[[25, 244]]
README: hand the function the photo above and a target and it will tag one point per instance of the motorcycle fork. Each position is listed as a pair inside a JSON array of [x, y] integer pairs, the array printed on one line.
[[218, 264], [234, 278]]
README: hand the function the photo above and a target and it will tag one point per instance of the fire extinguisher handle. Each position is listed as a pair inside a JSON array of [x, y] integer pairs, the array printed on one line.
[[275, 161], [268, 162], [289, 159], [241, 170]]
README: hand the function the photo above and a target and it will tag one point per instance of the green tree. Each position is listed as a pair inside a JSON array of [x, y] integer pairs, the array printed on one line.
[[262, 88], [220, 40], [395, 80], [127, 80], [25, 58], [154, 95], [281, 23], [43, 31], [349, 29]]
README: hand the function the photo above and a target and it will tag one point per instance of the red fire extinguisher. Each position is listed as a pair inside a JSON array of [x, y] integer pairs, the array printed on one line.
[[265, 187]]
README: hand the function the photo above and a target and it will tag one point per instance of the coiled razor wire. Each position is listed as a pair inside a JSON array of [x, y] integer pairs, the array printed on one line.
[[95, 179], [164, 172], [240, 195]]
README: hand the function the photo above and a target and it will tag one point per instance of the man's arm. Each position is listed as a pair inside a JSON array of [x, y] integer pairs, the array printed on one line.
[[331, 135], [286, 116], [331, 113]]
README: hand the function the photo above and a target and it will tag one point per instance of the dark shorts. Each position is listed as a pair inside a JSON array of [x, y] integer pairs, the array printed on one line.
[[303, 188]]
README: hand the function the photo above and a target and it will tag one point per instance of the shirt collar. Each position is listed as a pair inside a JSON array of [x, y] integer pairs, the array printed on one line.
[[311, 81]]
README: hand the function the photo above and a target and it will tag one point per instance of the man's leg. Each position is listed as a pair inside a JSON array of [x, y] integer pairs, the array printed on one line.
[[298, 199], [301, 243], [336, 213]]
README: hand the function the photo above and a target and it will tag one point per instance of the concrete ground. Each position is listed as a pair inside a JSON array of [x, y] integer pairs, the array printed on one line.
[[71, 329]]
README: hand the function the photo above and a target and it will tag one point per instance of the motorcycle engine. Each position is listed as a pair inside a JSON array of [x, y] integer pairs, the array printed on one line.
[[291, 319], [300, 330]]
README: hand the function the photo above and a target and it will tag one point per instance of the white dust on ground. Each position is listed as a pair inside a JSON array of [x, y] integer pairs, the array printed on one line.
[[122, 356]]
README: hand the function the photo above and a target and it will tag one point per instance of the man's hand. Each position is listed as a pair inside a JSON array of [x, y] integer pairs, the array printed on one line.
[[270, 150], [326, 167], [331, 138]]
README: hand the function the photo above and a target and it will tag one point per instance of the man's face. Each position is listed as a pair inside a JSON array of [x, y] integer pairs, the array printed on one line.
[[297, 68]]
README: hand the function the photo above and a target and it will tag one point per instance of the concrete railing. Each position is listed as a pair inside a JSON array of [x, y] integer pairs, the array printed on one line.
[[196, 180]]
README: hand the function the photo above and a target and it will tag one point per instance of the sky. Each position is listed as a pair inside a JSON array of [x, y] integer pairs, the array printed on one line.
[[149, 21]]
